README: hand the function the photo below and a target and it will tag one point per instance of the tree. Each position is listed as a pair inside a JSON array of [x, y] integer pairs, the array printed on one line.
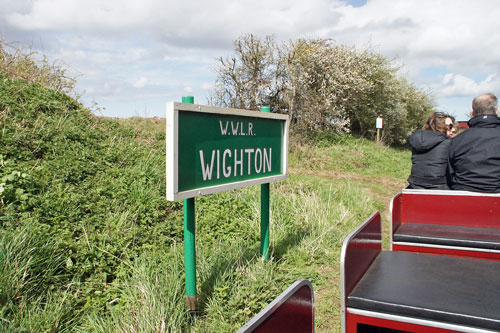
[[248, 79], [322, 86]]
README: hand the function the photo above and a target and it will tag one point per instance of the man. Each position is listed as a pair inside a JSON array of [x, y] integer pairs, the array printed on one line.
[[474, 162]]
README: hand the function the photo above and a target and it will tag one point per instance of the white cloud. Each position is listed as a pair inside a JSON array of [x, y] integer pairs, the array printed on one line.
[[141, 83], [83, 15], [187, 23], [459, 35], [460, 85], [164, 47]]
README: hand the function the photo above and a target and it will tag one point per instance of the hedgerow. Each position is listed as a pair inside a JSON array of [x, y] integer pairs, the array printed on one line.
[[322, 85]]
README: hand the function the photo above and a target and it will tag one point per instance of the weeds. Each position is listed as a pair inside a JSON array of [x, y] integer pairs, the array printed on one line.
[[20, 63], [88, 242]]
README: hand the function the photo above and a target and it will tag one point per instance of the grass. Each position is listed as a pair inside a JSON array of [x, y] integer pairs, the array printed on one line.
[[135, 253], [351, 155], [312, 212], [88, 242]]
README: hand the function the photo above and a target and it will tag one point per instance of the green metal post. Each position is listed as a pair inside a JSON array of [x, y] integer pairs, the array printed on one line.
[[190, 253], [264, 212], [189, 242], [188, 99]]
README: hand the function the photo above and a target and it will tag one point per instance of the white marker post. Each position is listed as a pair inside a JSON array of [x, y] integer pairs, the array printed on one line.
[[379, 126]]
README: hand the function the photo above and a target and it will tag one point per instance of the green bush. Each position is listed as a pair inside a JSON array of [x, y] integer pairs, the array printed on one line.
[[91, 185]]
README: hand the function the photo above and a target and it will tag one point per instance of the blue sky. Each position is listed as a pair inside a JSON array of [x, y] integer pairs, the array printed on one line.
[[131, 57]]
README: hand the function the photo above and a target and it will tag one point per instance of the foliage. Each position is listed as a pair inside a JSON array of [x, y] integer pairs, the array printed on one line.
[[19, 62], [248, 79], [32, 265], [88, 242], [94, 190], [322, 86], [152, 297]]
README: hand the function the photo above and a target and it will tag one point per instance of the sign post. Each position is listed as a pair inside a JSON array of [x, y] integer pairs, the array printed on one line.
[[189, 242], [212, 149], [379, 126], [264, 211]]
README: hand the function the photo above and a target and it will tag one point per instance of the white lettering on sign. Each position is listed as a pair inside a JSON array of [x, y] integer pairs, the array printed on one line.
[[249, 152], [258, 167], [223, 130], [218, 164], [207, 169], [238, 161], [224, 168], [259, 159], [237, 128], [267, 159]]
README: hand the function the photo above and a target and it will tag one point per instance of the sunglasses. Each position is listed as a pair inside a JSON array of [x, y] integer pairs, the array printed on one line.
[[450, 126]]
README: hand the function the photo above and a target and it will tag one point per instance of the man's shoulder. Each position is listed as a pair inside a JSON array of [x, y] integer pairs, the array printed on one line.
[[465, 139], [476, 134], [463, 136]]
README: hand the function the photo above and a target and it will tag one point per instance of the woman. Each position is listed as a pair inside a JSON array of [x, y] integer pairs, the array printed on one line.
[[430, 147]]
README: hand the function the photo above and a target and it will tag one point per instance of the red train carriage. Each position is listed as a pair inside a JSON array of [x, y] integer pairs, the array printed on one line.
[[442, 273], [456, 223], [399, 291]]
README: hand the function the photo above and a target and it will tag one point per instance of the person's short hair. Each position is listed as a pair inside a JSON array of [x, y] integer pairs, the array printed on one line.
[[437, 122], [485, 104]]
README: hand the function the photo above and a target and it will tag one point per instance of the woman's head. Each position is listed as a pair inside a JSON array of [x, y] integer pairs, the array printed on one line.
[[441, 122]]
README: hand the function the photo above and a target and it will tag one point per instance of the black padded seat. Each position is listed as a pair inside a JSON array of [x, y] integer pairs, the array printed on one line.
[[483, 238], [453, 290]]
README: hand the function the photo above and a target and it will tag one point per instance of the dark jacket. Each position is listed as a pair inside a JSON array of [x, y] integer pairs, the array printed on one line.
[[429, 160], [475, 156]]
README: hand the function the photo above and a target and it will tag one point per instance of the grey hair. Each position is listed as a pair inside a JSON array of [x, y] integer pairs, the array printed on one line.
[[485, 104]]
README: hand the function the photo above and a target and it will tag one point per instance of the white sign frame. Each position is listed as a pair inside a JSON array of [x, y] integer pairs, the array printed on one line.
[[172, 134]]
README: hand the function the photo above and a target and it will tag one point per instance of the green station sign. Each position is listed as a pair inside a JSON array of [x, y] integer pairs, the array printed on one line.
[[212, 149]]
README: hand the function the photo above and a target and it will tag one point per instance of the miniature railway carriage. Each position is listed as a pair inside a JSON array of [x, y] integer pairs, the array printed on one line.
[[455, 223], [442, 273], [292, 311], [400, 291]]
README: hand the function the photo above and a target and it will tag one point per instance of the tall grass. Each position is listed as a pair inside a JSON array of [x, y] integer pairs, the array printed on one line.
[[309, 220], [348, 154], [151, 300], [90, 191], [20, 62], [30, 265], [88, 242]]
